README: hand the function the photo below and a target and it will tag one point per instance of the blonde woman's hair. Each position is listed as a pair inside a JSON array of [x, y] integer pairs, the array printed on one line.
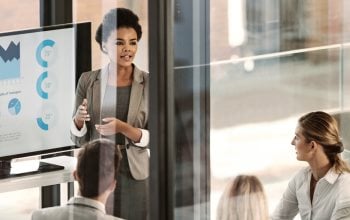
[[243, 199], [323, 128]]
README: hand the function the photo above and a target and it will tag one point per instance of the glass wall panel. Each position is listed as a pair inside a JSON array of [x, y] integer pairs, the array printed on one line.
[[17, 15], [271, 62]]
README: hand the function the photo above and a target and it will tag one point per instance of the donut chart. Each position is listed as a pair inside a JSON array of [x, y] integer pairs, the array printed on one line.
[[39, 83], [45, 52], [42, 124]]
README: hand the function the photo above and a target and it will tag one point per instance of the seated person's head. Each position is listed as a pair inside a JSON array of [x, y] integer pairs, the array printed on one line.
[[320, 129], [243, 198], [98, 164]]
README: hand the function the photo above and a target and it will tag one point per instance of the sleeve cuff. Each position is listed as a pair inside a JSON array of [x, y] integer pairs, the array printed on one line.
[[144, 141], [75, 131]]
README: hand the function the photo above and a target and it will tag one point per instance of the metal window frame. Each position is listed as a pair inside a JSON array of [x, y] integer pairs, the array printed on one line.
[[162, 120]]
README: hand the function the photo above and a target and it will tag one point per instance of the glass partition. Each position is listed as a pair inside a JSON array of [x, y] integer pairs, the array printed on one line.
[[268, 62], [18, 15], [261, 99], [271, 62]]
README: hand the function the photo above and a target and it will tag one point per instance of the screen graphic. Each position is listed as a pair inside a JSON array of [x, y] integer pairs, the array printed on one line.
[[37, 86], [44, 52], [10, 61], [14, 106]]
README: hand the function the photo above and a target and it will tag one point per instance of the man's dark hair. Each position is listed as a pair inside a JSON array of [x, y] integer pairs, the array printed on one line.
[[98, 164], [114, 19]]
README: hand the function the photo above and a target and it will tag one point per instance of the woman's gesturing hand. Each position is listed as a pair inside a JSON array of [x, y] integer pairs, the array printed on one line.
[[81, 115], [111, 126]]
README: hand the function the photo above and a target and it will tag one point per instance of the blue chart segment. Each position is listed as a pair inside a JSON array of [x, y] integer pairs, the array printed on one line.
[[39, 83], [42, 124], [14, 106], [10, 61], [47, 117], [42, 56]]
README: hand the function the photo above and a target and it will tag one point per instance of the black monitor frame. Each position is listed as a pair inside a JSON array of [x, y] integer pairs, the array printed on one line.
[[82, 32]]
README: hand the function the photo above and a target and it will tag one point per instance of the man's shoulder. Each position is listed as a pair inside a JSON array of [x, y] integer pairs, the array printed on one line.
[[48, 213], [62, 212]]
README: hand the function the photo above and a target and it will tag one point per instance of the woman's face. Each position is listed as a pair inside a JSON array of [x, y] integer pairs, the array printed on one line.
[[121, 46], [303, 148]]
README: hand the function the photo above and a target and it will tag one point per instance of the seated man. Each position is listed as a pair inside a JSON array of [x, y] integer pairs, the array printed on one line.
[[98, 163]]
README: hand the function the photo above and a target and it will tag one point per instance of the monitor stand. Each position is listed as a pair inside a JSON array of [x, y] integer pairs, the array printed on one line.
[[23, 168]]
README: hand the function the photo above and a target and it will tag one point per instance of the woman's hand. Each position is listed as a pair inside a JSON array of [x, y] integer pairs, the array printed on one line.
[[114, 126], [81, 115], [111, 126]]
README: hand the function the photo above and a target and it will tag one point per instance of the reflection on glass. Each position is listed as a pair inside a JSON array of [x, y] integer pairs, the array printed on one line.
[[16, 15], [292, 59]]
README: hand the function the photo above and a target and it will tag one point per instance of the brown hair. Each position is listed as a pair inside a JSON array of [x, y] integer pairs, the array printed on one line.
[[323, 128], [244, 198], [98, 164]]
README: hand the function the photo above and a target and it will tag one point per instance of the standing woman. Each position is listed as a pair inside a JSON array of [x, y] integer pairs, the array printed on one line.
[[321, 190], [113, 103]]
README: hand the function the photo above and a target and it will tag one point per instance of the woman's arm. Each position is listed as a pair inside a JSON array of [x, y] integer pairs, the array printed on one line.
[[341, 214], [140, 137], [79, 130], [342, 207]]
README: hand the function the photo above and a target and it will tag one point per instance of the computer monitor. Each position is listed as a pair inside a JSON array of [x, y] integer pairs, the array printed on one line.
[[39, 69]]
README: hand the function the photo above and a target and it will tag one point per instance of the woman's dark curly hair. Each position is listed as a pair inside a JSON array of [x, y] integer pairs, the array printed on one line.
[[114, 19]]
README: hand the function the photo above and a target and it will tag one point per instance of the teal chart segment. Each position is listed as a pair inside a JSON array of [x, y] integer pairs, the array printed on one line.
[[39, 83], [42, 124], [41, 60]]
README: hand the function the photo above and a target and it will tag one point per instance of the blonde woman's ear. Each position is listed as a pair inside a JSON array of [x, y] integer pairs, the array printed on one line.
[[314, 145]]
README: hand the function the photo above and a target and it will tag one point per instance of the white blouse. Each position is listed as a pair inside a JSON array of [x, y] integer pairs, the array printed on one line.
[[331, 200]]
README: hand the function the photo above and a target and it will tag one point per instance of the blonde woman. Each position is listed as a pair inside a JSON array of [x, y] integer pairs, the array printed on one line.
[[243, 199], [321, 190]]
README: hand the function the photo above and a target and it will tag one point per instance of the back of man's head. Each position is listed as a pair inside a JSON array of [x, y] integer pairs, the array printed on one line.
[[98, 164]]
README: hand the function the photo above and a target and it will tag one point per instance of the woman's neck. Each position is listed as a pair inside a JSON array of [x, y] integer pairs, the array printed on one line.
[[119, 75], [319, 168]]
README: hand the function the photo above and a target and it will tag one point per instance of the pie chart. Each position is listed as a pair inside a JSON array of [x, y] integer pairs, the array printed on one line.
[[14, 106]]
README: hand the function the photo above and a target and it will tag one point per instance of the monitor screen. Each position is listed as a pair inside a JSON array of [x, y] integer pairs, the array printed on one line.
[[38, 72]]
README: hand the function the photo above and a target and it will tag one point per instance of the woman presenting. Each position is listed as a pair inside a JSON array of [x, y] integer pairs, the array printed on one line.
[[113, 103]]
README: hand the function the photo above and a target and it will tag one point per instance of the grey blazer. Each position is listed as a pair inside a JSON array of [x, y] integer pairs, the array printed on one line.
[[77, 208], [92, 86]]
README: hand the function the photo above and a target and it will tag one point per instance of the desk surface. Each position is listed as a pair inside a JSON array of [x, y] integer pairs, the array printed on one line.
[[42, 179]]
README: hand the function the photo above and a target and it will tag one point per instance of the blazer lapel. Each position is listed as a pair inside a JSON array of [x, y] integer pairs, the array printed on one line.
[[135, 96], [98, 91]]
